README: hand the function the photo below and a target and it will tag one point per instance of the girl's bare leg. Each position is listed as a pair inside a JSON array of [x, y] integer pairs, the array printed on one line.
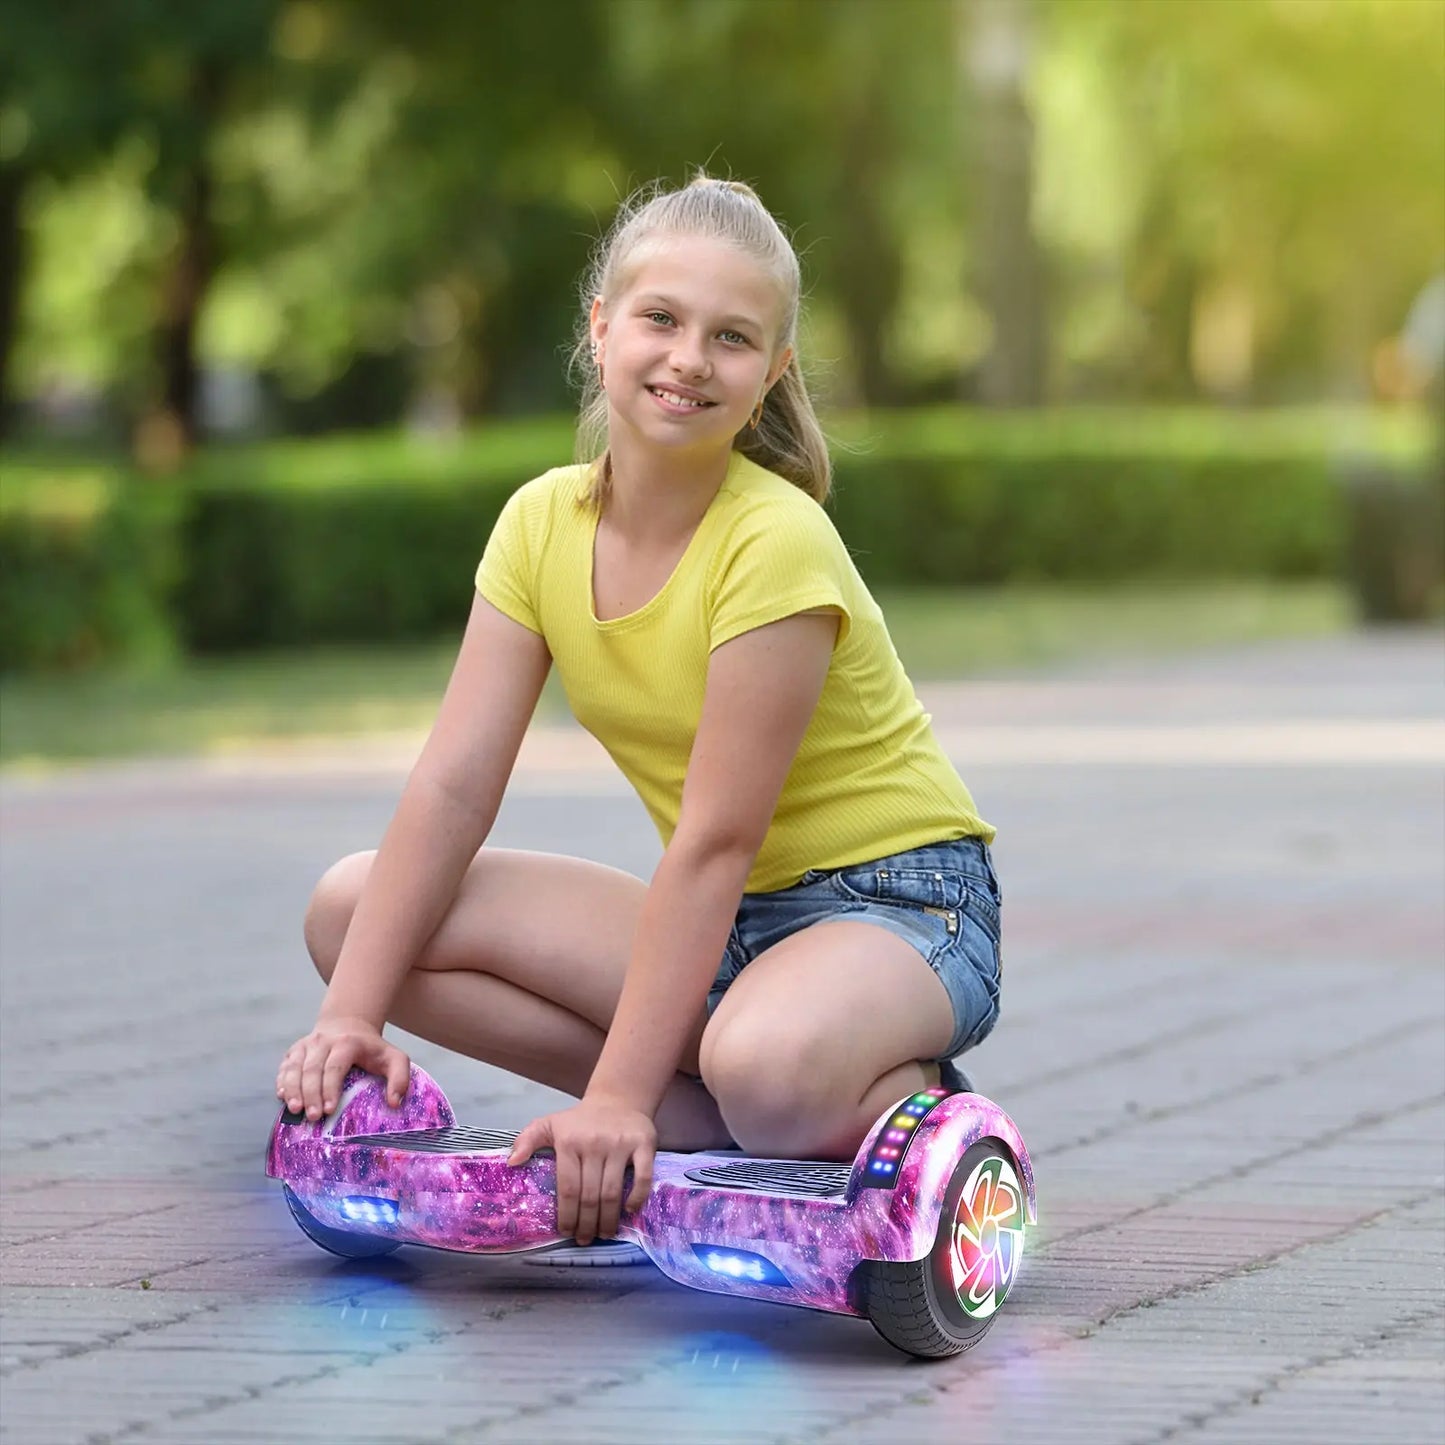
[[771, 1056], [524, 972]]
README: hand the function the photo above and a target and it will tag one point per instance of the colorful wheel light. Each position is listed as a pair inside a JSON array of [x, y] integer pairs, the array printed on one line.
[[988, 1236]]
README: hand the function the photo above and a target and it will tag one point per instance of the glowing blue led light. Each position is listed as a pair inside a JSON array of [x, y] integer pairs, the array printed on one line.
[[741, 1265], [365, 1210], [731, 1264]]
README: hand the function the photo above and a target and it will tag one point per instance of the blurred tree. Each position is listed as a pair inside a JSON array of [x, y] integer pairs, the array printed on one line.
[[380, 203], [81, 78], [1290, 163], [193, 67], [840, 113], [996, 47], [497, 153], [61, 106]]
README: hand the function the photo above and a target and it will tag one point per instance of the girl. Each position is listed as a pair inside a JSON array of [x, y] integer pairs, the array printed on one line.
[[823, 928]]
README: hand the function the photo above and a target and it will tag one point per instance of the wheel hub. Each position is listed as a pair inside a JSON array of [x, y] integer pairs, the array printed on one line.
[[988, 1236]]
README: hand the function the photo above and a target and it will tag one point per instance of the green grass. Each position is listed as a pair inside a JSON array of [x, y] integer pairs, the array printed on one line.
[[944, 635], [213, 705]]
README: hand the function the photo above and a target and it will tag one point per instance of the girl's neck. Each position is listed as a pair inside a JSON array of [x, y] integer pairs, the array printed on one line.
[[655, 496]]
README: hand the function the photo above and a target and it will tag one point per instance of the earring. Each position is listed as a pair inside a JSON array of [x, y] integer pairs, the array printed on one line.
[[757, 415], [597, 357]]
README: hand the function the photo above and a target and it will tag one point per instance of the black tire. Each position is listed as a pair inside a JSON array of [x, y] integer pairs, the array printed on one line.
[[337, 1241], [915, 1304]]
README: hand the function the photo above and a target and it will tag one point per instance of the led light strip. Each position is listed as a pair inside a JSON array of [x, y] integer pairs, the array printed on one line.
[[364, 1209], [885, 1158]]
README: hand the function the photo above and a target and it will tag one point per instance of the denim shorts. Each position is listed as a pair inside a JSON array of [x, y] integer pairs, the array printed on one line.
[[943, 898]]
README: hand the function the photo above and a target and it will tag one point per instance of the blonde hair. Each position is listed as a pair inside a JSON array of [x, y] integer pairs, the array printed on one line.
[[788, 439]]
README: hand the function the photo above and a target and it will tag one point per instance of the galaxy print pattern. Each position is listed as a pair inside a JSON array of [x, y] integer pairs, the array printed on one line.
[[362, 1109], [476, 1204]]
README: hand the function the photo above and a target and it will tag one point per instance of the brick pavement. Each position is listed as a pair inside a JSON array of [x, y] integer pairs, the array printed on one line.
[[1222, 1038]]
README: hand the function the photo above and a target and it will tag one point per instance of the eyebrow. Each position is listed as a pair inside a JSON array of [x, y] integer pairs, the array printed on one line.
[[671, 305]]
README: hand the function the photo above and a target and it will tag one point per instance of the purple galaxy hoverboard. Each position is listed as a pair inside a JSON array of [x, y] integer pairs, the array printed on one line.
[[922, 1234]]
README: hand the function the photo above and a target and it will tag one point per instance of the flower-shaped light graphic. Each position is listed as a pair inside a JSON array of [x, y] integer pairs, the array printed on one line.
[[988, 1236]]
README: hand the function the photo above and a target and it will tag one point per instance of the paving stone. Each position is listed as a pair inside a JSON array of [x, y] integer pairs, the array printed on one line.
[[1223, 1036]]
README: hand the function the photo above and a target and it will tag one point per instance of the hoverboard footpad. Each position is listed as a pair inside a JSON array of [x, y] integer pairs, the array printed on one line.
[[790, 1180], [454, 1139]]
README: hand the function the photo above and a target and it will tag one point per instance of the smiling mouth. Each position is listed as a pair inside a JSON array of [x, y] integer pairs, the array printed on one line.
[[674, 398]]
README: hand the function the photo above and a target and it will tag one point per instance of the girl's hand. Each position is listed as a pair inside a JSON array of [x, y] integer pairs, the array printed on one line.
[[314, 1068], [594, 1142]]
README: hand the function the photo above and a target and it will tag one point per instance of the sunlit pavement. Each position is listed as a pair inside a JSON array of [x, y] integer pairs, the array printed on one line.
[[1223, 1037]]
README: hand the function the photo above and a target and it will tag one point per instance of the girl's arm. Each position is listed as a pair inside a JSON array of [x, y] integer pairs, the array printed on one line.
[[762, 689], [446, 811]]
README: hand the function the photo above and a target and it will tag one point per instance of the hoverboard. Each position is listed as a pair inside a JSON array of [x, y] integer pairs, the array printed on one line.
[[922, 1235]]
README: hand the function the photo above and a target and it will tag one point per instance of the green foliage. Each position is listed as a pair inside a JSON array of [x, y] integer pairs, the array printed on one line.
[[301, 543], [348, 538], [1278, 166], [985, 520], [960, 498], [87, 566], [269, 566], [1234, 199]]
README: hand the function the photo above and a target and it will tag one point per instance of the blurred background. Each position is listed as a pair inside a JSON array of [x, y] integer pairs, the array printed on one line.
[[1127, 316]]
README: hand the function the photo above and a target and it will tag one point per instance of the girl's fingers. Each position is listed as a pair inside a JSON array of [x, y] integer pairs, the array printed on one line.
[[568, 1183], [532, 1138], [610, 1204], [398, 1077], [590, 1198], [338, 1065], [642, 1158], [521, 1148], [311, 1071], [288, 1080]]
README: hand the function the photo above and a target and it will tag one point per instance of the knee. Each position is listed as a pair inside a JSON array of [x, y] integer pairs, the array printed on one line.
[[328, 915], [773, 1093]]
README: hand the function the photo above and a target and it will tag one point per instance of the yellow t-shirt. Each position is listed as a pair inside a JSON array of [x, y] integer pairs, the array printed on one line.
[[869, 778]]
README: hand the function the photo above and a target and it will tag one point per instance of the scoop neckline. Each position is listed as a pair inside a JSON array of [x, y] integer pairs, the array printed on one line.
[[639, 613]]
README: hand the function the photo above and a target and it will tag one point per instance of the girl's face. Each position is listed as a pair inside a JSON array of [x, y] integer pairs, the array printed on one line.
[[687, 345]]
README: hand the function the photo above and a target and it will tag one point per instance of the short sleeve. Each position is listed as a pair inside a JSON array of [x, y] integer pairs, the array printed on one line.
[[507, 574], [778, 560]]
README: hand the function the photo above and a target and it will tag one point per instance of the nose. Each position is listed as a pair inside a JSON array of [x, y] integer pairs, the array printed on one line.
[[689, 357]]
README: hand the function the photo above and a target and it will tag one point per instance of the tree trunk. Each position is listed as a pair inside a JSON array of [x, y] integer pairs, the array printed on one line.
[[12, 265], [868, 270], [866, 255], [995, 55], [185, 290], [174, 427]]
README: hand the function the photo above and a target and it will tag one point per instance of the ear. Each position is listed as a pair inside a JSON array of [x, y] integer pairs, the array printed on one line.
[[597, 321], [779, 366]]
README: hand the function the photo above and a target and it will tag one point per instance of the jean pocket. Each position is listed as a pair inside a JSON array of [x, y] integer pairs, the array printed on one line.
[[984, 911], [940, 892]]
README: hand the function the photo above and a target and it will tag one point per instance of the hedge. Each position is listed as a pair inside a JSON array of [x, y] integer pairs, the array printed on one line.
[[88, 568], [376, 538]]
